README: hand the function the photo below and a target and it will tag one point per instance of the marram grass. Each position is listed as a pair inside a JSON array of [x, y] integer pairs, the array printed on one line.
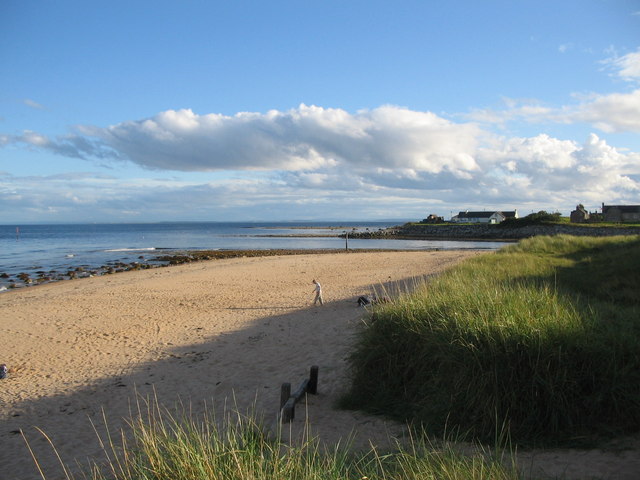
[[165, 446], [541, 338]]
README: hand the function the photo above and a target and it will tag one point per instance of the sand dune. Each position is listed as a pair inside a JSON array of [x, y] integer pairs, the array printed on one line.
[[205, 334]]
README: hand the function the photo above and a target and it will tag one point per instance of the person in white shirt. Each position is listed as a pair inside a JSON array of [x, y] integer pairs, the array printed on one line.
[[318, 292]]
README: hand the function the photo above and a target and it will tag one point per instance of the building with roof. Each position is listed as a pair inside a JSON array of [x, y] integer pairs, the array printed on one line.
[[621, 213], [579, 215], [484, 216]]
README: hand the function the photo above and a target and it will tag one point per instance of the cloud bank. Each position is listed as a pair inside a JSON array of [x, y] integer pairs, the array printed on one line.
[[312, 162], [388, 162], [306, 138]]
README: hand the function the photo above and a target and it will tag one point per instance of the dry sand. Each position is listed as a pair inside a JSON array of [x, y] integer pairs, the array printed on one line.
[[207, 334]]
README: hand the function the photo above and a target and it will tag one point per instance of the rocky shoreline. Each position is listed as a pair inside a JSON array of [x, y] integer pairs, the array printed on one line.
[[492, 232], [41, 277]]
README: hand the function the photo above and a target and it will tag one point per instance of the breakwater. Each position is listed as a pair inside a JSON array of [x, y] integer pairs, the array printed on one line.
[[492, 232]]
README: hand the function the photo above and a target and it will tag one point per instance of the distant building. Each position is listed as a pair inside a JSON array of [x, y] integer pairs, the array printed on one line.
[[483, 217], [621, 213], [433, 218], [579, 215]]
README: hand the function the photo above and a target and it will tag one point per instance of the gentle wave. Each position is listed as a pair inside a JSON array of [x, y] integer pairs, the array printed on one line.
[[147, 249]]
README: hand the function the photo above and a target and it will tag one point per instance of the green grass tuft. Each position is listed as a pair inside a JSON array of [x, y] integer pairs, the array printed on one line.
[[178, 447]]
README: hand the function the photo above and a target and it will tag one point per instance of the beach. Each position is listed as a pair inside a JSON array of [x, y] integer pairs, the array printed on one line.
[[221, 335]]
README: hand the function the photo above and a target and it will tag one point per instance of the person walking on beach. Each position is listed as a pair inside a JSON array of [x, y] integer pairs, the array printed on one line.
[[318, 292]]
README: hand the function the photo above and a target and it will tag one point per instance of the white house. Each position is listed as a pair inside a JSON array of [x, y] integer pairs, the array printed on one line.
[[483, 217]]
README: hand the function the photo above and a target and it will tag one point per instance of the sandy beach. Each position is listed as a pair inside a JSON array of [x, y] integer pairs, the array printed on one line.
[[208, 334]]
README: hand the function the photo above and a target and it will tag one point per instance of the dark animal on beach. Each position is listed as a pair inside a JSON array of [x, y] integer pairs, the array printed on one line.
[[364, 300], [371, 300]]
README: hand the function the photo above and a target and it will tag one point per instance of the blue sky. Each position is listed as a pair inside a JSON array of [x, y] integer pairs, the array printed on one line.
[[315, 110]]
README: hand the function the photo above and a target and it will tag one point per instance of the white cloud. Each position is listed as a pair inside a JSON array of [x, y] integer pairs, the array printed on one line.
[[73, 146], [618, 112], [33, 104], [544, 152], [565, 47], [529, 110], [306, 138], [561, 172], [627, 67]]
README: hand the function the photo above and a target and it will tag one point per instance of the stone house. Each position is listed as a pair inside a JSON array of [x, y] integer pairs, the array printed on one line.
[[433, 218], [621, 213], [579, 215]]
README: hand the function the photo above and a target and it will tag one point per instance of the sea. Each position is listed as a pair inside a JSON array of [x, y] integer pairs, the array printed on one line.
[[47, 250]]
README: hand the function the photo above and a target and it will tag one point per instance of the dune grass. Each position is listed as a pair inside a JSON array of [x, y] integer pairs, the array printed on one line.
[[540, 340], [166, 446]]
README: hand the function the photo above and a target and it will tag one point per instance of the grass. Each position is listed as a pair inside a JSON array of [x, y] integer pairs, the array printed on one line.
[[541, 338], [168, 446]]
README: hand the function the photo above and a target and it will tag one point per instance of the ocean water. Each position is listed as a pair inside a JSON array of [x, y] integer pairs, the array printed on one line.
[[45, 248]]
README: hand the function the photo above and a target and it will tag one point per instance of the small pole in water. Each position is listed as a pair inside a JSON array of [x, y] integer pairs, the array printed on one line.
[[346, 241], [17, 233]]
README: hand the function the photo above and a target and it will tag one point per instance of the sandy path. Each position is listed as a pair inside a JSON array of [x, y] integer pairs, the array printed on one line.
[[207, 332]]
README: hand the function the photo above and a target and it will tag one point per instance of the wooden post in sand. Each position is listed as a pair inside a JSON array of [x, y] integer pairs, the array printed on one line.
[[312, 387], [288, 400], [285, 393], [288, 411]]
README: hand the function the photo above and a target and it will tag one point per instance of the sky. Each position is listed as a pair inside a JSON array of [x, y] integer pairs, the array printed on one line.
[[239, 110]]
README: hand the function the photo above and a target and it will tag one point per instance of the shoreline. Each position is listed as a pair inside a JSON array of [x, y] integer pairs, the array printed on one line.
[[17, 281], [157, 260], [53, 250]]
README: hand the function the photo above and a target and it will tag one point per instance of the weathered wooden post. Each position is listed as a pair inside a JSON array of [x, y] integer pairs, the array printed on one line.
[[285, 393], [288, 400], [289, 410], [312, 387]]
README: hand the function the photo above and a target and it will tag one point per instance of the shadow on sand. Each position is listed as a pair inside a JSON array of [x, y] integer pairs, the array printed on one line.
[[235, 371]]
